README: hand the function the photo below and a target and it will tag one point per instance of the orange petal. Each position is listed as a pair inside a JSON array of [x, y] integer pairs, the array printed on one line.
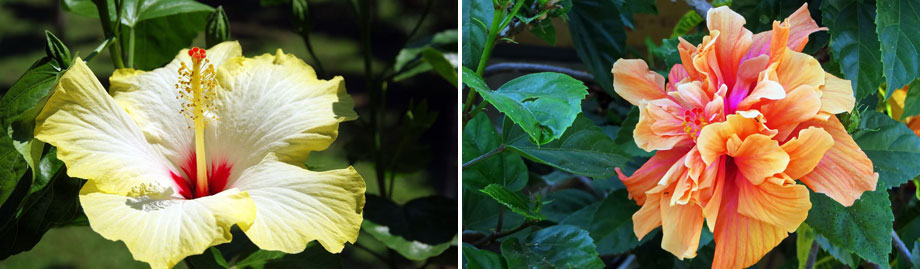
[[648, 217], [714, 137], [711, 197], [796, 69], [801, 104], [801, 25], [681, 226], [778, 41], [914, 124], [778, 201], [677, 74], [837, 95], [741, 240], [690, 95], [844, 172], [733, 42], [633, 81], [658, 128], [686, 51], [765, 89], [806, 150], [759, 157], [647, 176]]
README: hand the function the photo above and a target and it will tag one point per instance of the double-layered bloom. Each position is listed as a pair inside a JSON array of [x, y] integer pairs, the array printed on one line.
[[176, 156], [740, 119]]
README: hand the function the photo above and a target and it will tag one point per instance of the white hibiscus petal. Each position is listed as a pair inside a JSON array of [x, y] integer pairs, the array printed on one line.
[[295, 206], [275, 103], [96, 138], [151, 99], [162, 232]]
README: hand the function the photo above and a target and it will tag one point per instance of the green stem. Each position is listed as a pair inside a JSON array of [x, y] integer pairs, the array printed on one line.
[[497, 150], [130, 47], [319, 65], [497, 25]]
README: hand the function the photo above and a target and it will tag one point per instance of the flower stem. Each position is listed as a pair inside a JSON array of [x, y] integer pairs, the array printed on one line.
[[130, 51]]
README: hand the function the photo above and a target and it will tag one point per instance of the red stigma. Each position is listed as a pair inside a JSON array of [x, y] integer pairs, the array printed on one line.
[[196, 53]]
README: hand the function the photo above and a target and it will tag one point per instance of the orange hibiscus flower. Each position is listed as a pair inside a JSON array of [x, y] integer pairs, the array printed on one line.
[[740, 120]]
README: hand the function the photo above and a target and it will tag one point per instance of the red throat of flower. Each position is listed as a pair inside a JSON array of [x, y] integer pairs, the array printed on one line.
[[217, 177]]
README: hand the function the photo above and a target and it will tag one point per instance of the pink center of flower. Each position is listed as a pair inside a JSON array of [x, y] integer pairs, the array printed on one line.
[[218, 174], [694, 121]]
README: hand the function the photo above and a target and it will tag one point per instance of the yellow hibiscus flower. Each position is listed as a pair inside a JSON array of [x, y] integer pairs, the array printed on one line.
[[245, 125]]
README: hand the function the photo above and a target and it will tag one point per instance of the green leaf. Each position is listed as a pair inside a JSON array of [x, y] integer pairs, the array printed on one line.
[[892, 147], [854, 43], [599, 40], [686, 24], [506, 168], [135, 11], [422, 228], [584, 149], [564, 246], [514, 201], [410, 61], [564, 202], [668, 50], [610, 223], [441, 65], [21, 104], [153, 48], [218, 28], [477, 18], [898, 26], [413, 250], [480, 213], [912, 101], [841, 255], [12, 165], [544, 30], [314, 256], [804, 238], [54, 205], [474, 258], [863, 228], [543, 104]]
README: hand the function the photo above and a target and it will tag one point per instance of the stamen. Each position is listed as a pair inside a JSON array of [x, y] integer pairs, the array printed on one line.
[[694, 121], [196, 88]]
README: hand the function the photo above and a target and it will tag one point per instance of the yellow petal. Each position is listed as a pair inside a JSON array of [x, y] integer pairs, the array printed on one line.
[[296, 206], [164, 231], [275, 103], [96, 138]]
